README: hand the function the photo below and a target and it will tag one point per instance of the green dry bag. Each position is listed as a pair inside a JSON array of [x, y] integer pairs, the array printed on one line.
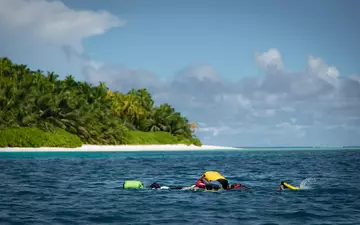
[[135, 184]]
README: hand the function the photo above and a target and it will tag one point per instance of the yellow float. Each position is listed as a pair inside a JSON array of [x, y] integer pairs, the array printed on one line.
[[290, 186]]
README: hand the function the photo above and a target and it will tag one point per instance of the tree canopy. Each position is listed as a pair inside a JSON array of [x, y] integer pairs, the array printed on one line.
[[95, 114]]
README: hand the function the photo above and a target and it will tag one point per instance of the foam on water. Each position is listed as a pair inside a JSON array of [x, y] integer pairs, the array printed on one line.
[[307, 183]]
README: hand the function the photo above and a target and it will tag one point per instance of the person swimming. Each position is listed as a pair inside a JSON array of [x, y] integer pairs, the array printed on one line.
[[212, 180], [210, 186], [284, 185], [158, 186]]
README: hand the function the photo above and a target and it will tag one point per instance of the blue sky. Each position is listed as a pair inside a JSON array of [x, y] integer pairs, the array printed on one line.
[[163, 36], [248, 72]]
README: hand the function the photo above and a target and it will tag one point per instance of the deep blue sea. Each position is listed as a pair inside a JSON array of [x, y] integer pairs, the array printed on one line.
[[86, 188]]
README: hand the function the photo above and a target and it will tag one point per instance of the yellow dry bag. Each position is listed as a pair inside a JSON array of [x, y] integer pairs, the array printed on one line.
[[212, 175]]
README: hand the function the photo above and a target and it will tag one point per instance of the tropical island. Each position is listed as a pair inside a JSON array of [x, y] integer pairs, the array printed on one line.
[[40, 110]]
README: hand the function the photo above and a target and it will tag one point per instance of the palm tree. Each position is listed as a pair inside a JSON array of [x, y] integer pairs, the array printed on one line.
[[145, 99], [96, 114], [131, 109]]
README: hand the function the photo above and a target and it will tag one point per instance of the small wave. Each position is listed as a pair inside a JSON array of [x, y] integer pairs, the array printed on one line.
[[25, 192], [307, 183], [300, 214]]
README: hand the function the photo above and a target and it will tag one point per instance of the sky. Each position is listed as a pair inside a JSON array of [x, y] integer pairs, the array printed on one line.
[[249, 73]]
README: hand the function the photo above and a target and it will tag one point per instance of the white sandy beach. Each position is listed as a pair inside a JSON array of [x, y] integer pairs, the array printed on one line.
[[121, 148]]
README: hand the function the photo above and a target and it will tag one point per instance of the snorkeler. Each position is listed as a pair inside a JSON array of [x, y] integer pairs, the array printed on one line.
[[210, 180], [209, 186], [282, 186], [213, 180], [285, 185], [158, 186]]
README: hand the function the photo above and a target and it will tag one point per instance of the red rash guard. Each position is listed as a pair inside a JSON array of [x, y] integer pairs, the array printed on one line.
[[200, 183]]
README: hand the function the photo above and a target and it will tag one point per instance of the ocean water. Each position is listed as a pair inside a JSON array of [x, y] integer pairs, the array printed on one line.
[[86, 188]]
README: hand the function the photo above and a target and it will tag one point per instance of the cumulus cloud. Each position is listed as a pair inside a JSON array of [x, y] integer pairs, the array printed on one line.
[[280, 108], [270, 60], [49, 35], [55, 23], [318, 67], [122, 78]]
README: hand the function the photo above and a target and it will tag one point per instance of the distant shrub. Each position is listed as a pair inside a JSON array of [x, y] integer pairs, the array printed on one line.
[[144, 138], [196, 141], [159, 138], [34, 137]]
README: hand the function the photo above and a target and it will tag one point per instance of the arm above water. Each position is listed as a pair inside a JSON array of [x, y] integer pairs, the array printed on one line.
[[189, 188]]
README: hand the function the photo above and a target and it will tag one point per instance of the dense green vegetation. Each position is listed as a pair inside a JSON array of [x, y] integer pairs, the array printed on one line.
[[34, 137], [139, 137], [38, 109]]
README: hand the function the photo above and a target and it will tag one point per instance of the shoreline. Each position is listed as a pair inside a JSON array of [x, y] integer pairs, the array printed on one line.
[[120, 148]]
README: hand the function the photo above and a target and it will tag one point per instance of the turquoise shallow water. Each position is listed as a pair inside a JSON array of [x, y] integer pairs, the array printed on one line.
[[86, 188]]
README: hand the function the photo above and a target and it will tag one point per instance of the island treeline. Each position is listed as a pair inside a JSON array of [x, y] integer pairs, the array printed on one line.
[[38, 109]]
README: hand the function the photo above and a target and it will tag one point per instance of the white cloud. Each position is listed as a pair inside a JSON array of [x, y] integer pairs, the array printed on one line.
[[48, 35], [355, 77], [270, 60], [123, 78], [215, 131], [282, 108], [235, 101], [270, 112], [318, 67], [203, 73], [55, 23], [219, 128]]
